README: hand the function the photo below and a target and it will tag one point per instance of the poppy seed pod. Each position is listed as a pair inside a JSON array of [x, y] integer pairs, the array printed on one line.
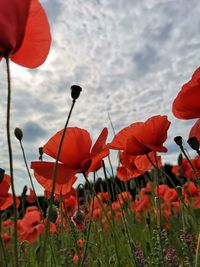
[[193, 143], [40, 149], [2, 172], [75, 91], [18, 134], [178, 140], [53, 215]]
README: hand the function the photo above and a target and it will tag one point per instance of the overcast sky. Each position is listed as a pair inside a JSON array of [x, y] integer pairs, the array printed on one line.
[[130, 57]]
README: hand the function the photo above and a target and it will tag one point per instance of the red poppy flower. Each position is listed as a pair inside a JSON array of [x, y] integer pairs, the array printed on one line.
[[31, 226], [143, 137], [186, 104], [32, 197], [25, 32], [185, 169], [134, 166], [69, 205], [6, 199], [76, 156], [195, 130]]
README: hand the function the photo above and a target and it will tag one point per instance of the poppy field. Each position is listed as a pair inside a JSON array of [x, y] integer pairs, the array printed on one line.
[[144, 214]]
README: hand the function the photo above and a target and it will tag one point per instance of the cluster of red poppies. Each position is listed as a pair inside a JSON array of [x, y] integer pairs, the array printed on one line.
[[25, 39]]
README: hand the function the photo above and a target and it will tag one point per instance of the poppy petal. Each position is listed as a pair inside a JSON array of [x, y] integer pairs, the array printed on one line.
[[122, 174], [120, 139], [100, 142], [37, 39], [6, 202], [43, 172], [195, 130], [99, 151], [153, 133], [75, 148], [5, 185], [186, 104], [135, 147], [13, 19]]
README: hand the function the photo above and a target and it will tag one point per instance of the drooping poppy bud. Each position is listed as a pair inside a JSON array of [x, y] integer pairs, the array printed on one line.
[[18, 134], [178, 140], [193, 143], [75, 91]]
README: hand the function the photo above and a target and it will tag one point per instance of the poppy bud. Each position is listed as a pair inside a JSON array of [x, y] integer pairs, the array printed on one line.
[[75, 91], [2, 172], [193, 143], [132, 184], [37, 250], [24, 191], [78, 217], [40, 149], [53, 215], [18, 134], [178, 140], [179, 192]]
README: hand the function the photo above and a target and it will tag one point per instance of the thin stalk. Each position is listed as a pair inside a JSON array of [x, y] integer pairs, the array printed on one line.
[[89, 227], [3, 247], [105, 214], [29, 174], [54, 183], [159, 225], [170, 179], [11, 161], [191, 165], [197, 252], [112, 126]]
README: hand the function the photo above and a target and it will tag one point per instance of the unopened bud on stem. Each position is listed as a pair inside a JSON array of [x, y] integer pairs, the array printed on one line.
[[75, 91], [193, 143], [178, 140], [18, 134]]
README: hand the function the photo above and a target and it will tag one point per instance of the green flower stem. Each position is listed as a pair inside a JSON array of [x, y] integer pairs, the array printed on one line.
[[2, 246], [170, 179], [89, 227], [197, 251], [53, 185], [11, 162], [29, 174], [191, 165], [106, 216]]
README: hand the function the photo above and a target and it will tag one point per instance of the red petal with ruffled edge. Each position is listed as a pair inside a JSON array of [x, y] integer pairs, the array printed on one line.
[[37, 39], [13, 19], [195, 130], [120, 139], [43, 172], [6, 201], [75, 148], [186, 104], [5, 185], [99, 151], [153, 133]]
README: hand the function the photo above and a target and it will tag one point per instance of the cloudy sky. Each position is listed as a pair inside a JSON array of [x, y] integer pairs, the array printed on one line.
[[130, 57]]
